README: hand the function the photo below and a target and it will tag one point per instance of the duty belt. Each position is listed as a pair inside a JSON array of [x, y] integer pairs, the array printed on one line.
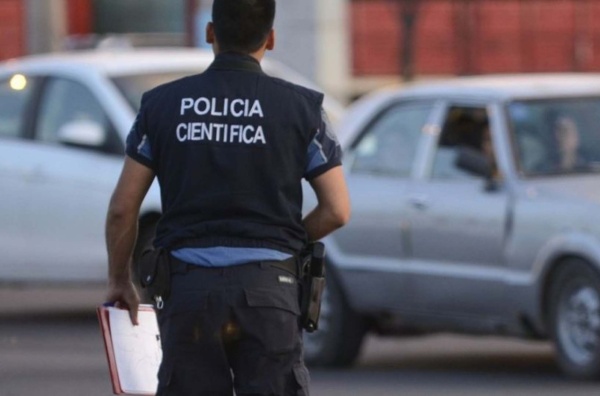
[[290, 265]]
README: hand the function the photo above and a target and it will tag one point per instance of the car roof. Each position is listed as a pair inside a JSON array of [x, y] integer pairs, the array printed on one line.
[[116, 61], [125, 61], [488, 88], [508, 86]]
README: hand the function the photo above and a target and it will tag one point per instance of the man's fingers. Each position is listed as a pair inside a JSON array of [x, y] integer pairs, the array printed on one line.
[[125, 296], [133, 314], [133, 302]]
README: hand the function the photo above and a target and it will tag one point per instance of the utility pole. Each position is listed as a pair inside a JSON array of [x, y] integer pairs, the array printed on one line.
[[409, 10], [191, 8]]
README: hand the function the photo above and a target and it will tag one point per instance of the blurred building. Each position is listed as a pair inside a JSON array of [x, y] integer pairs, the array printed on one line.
[[348, 46], [37, 26], [12, 28], [464, 37]]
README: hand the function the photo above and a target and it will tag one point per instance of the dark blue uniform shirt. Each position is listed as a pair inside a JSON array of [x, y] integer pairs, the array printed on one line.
[[231, 113]]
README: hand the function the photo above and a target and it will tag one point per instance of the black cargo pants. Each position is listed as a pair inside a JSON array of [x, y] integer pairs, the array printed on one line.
[[232, 328]]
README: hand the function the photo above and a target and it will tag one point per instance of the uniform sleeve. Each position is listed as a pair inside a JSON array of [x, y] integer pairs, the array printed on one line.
[[138, 141], [324, 151]]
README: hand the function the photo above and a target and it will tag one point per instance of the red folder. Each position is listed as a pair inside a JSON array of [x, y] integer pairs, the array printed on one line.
[[144, 342]]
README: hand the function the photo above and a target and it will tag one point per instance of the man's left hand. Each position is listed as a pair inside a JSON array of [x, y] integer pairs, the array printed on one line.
[[124, 295]]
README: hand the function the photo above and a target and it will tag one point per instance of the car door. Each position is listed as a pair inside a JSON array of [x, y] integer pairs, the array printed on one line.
[[67, 195], [373, 246], [458, 221]]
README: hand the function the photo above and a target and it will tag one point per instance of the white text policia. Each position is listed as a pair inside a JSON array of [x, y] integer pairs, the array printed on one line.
[[221, 132]]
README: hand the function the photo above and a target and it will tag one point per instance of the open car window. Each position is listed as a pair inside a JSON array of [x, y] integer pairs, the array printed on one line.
[[464, 127]]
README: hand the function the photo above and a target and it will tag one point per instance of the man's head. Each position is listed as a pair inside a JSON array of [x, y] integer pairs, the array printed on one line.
[[243, 26]]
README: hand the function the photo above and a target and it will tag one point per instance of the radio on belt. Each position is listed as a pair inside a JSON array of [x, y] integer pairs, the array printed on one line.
[[313, 284]]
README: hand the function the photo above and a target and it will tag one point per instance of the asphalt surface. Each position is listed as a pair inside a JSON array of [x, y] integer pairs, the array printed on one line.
[[50, 345]]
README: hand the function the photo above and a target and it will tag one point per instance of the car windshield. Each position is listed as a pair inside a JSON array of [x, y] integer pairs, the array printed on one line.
[[133, 86], [557, 136]]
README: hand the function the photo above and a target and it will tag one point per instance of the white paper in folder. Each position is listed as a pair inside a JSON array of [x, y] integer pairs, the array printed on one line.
[[136, 350]]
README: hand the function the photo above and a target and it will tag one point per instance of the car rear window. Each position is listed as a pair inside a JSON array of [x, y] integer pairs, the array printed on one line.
[[556, 136]]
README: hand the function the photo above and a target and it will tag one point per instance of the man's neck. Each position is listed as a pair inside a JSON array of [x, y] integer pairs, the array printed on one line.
[[258, 55]]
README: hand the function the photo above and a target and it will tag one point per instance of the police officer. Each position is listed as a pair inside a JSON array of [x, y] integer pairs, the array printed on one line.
[[229, 148]]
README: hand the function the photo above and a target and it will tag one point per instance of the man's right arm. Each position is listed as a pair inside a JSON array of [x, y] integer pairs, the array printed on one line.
[[333, 207], [325, 175]]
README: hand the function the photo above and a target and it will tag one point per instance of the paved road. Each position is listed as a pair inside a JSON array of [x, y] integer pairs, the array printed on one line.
[[60, 353]]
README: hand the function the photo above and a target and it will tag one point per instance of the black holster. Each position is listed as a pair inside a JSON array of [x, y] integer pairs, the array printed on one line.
[[313, 283], [155, 275]]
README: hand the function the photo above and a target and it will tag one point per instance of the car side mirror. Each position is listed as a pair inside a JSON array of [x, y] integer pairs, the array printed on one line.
[[476, 163], [82, 133]]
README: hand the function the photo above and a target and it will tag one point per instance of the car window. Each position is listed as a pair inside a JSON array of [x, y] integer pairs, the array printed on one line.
[[389, 145], [464, 127], [133, 86], [556, 136], [65, 102], [15, 93]]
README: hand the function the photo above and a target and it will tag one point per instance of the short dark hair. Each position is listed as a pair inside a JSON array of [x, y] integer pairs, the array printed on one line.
[[242, 25]]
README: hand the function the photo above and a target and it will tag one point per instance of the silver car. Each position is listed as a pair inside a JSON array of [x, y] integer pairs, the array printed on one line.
[[475, 210]]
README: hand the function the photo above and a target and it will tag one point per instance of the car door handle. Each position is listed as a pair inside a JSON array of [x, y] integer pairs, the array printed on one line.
[[420, 202]]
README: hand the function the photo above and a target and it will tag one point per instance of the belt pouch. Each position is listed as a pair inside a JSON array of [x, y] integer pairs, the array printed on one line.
[[313, 282], [313, 307], [155, 274]]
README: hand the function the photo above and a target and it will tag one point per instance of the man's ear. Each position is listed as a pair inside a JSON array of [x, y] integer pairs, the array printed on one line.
[[271, 40], [210, 33]]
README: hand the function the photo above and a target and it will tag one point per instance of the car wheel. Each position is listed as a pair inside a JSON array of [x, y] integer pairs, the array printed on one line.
[[575, 319], [338, 339]]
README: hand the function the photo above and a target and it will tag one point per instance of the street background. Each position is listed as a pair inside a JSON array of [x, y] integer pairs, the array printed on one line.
[[49, 338], [50, 344]]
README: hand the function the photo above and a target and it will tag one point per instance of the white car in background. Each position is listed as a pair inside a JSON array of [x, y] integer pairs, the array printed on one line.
[[63, 122]]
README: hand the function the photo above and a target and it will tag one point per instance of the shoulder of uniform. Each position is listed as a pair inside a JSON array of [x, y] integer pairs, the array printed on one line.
[[307, 93]]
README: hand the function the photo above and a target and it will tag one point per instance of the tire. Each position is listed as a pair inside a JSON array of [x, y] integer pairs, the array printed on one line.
[[574, 319], [339, 337]]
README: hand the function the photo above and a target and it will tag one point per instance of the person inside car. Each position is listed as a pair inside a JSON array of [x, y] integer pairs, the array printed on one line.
[[566, 136]]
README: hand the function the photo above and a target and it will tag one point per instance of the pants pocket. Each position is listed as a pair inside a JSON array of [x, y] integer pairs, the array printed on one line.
[[273, 317], [302, 379]]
